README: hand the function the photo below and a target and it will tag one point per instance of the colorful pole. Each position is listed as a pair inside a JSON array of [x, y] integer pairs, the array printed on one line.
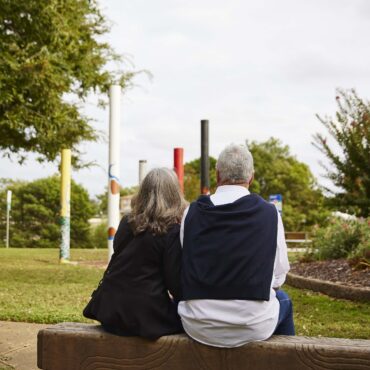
[[65, 205], [142, 170], [204, 148], [178, 164], [113, 171], [8, 208]]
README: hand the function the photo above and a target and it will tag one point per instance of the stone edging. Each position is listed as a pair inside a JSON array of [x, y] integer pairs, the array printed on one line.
[[329, 288]]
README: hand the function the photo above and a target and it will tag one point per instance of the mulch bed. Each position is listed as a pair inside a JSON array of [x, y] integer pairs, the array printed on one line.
[[337, 271]]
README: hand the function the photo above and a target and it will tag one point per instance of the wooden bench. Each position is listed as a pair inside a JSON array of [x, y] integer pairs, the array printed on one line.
[[73, 346], [297, 237]]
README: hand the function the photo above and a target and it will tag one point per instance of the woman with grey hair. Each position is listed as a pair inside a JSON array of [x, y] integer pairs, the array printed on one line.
[[133, 296]]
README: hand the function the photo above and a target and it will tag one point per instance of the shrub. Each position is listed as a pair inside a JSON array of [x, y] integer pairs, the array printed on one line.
[[35, 214], [342, 239], [99, 235], [360, 257]]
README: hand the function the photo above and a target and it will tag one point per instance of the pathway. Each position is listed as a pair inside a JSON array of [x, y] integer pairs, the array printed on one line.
[[18, 345]]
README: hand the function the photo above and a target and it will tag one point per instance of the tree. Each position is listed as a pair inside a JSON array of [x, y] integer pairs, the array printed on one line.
[[192, 178], [350, 169], [279, 172], [51, 58], [35, 213]]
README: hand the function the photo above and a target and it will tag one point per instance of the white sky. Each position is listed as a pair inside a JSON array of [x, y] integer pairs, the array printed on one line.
[[255, 69]]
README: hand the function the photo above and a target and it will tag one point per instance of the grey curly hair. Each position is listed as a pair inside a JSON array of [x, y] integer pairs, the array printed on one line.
[[235, 164], [158, 204]]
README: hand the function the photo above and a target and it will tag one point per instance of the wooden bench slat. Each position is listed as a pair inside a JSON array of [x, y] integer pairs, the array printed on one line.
[[72, 346], [301, 235]]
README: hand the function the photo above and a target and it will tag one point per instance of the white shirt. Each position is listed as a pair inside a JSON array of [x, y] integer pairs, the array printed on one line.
[[232, 323]]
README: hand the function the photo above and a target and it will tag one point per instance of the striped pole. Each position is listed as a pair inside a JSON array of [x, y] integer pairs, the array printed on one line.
[[65, 205], [113, 169], [204, 161], [142, 170], [178, 165]]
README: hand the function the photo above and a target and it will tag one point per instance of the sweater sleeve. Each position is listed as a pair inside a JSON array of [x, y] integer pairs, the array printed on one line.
[[172, 263]]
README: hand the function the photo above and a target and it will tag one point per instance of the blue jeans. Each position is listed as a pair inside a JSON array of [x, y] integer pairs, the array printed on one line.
[[285, 325]]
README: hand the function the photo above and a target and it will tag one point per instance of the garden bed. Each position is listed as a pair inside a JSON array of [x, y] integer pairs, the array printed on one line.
[[336, 271]]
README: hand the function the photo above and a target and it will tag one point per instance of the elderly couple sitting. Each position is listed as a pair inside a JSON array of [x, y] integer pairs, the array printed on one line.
[[213, 269]]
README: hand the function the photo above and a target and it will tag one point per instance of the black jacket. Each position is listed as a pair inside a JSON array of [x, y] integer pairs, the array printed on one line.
[[132, 295]]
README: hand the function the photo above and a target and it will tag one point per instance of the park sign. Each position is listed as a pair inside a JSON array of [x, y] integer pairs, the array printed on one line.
[[277, 200]]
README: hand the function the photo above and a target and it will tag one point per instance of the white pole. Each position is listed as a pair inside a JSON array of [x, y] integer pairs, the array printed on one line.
[[8, 207], [65, 205], [142, 170], [113, 169]]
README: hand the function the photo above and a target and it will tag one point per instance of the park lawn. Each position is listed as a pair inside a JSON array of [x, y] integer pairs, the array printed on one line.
[[34, 287]]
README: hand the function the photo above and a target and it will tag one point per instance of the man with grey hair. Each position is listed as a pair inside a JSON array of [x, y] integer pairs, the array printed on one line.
[[234, 261]]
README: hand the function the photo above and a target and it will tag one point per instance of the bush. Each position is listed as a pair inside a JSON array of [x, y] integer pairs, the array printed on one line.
[[342, 239], [99, 235], [35, 214]]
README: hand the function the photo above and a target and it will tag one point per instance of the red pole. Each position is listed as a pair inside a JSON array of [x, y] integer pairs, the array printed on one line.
[[178, 164]]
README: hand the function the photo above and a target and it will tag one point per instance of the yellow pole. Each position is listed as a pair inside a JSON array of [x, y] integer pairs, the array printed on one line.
[[65, 208]]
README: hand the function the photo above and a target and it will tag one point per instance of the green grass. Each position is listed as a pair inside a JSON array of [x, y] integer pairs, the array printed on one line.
[[34, 287], [316, 314]]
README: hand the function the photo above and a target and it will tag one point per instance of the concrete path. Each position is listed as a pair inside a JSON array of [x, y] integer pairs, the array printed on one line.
[[18, 345]]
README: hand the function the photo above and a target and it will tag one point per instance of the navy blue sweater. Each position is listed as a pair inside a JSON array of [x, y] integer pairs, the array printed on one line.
[[229, 250]]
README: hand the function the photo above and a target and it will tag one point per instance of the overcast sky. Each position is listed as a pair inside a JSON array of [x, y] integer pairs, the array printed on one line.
[[255, 69]]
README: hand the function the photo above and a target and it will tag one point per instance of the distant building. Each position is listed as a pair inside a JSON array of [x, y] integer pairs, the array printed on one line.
[[96, 221], [124, 209], [125, 204]]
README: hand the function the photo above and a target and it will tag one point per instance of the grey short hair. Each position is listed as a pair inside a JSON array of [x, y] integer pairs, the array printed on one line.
[[235, 164], [158, 204]]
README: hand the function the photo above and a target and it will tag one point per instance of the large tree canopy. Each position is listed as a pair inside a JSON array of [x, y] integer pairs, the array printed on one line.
[[350, 168], [51, 58], [192, 178], [279, 172]]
